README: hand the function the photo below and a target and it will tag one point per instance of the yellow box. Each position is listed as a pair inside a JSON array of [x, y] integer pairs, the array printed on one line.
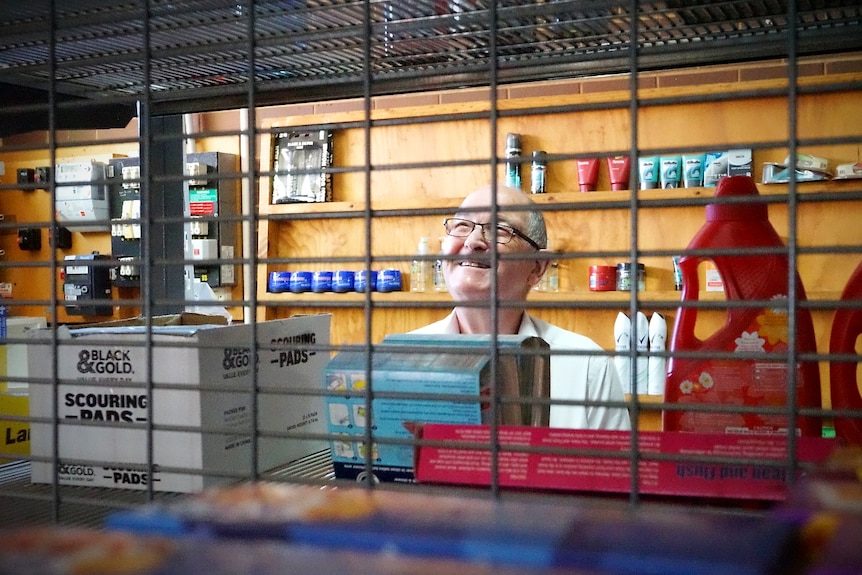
[[14, 435]]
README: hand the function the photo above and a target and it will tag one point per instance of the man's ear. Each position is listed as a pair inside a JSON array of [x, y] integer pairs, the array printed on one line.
[[538, 270]]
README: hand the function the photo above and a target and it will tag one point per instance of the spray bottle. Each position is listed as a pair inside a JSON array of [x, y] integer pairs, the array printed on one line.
[[513, 167], [749, 381]]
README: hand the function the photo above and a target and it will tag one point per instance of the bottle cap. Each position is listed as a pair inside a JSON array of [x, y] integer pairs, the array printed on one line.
[[736, 186], [513, 141], [422, 249]]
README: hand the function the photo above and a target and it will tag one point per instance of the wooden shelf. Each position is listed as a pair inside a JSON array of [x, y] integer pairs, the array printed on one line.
[[552, 198], [323, 299]]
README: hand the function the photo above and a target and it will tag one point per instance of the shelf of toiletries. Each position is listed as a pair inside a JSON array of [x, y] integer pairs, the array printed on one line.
[[328, 299], [561, 198]]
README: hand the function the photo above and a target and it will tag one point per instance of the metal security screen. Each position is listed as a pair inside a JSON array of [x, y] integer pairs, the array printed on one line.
[[140, 146]]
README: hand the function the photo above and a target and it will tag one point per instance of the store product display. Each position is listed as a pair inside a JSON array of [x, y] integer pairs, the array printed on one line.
[[843, 375], [751, 332]]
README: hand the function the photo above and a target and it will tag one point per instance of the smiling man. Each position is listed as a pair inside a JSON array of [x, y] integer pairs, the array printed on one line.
[[519, 234]]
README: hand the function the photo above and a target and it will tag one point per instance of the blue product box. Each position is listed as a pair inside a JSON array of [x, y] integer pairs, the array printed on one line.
[[412, 376]]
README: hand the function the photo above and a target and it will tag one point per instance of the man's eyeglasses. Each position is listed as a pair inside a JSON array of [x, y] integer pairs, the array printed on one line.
[[460, 228]]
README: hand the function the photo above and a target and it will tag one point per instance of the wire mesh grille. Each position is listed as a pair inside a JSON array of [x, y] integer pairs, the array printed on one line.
[[193, 56], [299, 45]]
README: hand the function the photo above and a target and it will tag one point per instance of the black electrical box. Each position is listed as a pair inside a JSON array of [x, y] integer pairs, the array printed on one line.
[[30, 239], [61, 238], [26, 176], [124, 189], [212, 204], [41, 176], [87, 285]]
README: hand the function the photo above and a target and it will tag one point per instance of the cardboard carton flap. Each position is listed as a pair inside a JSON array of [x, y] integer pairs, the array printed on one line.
[[183, 324]]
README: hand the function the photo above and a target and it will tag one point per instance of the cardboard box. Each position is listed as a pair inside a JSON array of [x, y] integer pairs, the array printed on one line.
[[409, 376], [15, 435], [685, 470], [102, 395], [13, 356], [14, 399]]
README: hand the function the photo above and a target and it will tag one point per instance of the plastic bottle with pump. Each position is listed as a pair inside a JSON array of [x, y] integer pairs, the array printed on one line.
[[420, 269], [750, 331], [843, 375], [439, 280]]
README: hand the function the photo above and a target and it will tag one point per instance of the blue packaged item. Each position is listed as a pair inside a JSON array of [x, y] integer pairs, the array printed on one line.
[[389, 280], [526, 534], [279, 282], [342, 281], [671, 171], [692, 170], [321, 281], [362, 283], [714, 168], [300, 282], [648, 172]]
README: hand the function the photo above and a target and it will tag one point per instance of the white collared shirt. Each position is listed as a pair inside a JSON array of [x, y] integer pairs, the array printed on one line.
[[590, 378]]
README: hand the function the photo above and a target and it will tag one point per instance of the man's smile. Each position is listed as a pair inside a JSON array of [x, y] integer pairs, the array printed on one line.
[[474, 264]]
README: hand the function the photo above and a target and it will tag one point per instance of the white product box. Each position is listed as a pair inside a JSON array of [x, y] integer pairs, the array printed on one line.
[[739, 162], [713, 278], [715, 167], [851, 171], [13, 356], [103, 411]]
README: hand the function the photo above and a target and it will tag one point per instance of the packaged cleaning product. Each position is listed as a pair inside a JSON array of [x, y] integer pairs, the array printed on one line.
[[843, 378], [759, 335]]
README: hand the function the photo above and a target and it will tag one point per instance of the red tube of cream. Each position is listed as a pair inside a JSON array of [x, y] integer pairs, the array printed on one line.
[[618, 168], [588, 174]]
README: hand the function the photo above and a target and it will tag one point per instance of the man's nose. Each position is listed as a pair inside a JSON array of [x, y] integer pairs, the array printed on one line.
[[478, 234]]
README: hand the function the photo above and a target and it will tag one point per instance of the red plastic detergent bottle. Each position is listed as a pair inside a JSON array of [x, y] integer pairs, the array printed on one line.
[[843, 383], [748, 330]]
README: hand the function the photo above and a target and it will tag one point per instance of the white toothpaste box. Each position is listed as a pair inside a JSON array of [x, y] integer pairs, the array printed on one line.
[[201, 409]]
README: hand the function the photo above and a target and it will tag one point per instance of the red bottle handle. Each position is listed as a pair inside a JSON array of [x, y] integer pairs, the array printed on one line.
[[843, 384]]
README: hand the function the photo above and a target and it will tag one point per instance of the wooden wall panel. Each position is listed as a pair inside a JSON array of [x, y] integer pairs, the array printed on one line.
[[591, 228]]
